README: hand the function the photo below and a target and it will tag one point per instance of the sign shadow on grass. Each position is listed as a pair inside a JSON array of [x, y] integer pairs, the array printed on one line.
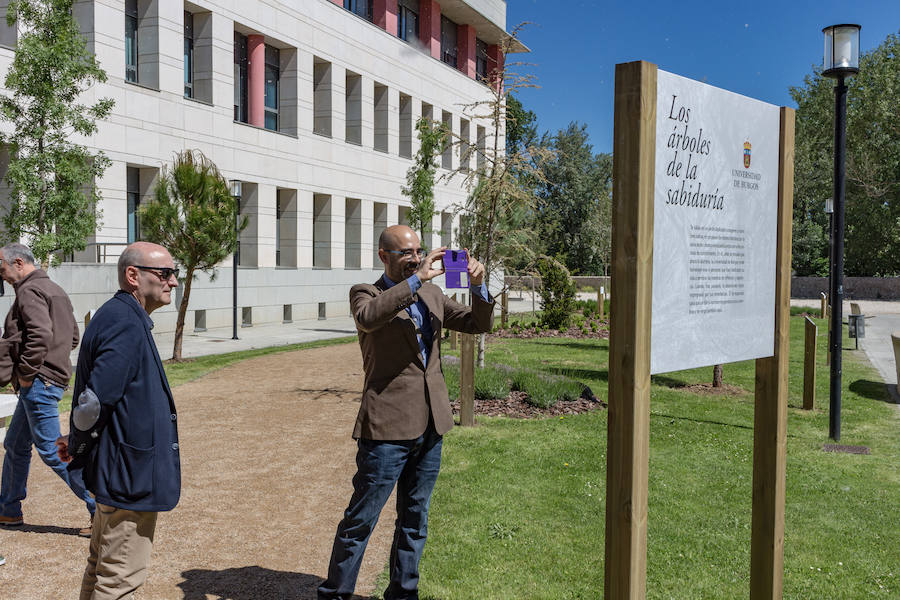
[[873, 390]]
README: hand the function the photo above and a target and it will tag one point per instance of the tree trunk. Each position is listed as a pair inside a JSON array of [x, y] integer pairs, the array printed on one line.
[[182, 312], [481, 337], [717, 376]]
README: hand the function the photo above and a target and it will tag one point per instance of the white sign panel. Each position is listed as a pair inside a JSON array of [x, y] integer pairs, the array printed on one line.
[[714, 226]]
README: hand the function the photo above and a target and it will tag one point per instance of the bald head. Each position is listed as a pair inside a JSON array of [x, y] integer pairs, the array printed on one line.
[[139, 253], [395, 236]]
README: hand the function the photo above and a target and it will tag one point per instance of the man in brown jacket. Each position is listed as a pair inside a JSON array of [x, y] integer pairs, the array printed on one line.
[[42, 320], [405, 409]]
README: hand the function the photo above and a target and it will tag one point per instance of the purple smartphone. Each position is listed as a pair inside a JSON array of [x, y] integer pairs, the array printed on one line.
[[456, 268]]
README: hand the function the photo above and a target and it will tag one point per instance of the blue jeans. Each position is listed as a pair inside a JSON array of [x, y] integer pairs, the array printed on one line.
[[413, 465], [35, 421]]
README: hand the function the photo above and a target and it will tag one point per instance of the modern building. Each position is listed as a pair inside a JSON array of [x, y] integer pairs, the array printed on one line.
[[309, 104]]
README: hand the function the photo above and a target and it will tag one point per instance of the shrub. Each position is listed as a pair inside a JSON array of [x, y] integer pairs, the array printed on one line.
[[557, 293], [545, 390], [490, 382]]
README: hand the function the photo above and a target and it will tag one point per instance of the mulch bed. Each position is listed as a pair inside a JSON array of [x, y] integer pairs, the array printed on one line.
[[707, 389], [516, 407], [531, 332]]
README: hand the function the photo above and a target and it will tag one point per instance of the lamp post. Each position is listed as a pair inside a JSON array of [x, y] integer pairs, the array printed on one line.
[[236, 259], [841, 61]]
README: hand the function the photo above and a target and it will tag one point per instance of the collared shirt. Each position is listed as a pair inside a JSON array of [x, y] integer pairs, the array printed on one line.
[[418, 312]]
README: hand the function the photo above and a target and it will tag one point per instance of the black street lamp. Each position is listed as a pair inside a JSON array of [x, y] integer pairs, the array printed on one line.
[[236, 259], [841, 61]]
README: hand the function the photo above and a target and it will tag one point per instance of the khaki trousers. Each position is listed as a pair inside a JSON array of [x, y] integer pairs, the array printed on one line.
[[119, 562]]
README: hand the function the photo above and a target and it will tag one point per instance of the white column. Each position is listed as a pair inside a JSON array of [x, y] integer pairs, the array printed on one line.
[[265, 233], [305, 229], [393, 121], [338, 224], [368, 112], [366, 234], [338, 102]]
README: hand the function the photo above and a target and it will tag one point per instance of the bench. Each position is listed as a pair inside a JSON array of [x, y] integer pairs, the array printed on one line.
[[7, 407]]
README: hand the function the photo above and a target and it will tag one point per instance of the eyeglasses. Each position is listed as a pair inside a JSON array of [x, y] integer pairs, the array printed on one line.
[[164, 273], [409, 253]]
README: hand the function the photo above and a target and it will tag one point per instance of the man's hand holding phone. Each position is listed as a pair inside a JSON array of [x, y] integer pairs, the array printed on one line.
[[427, 270]]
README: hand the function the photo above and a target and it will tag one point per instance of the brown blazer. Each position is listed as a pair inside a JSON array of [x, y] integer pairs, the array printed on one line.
[[399, 391]]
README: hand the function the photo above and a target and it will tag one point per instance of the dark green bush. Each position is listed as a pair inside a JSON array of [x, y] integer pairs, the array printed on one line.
[[557, 293]]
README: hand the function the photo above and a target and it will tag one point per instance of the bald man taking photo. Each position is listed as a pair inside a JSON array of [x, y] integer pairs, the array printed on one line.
[[123, 427], [405, 409]]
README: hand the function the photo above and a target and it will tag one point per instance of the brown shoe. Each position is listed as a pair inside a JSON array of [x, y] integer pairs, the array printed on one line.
[[86, 531], [11, 521]]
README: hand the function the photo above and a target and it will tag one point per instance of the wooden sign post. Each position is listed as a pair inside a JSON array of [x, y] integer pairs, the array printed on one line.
[[809, 366], [467, 380], [635, 172]]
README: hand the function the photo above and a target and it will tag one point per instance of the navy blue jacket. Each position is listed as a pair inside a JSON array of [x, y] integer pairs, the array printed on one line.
[[133, 461]]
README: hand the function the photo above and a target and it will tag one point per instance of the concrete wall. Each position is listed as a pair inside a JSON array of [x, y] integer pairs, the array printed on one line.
[[855, 288]]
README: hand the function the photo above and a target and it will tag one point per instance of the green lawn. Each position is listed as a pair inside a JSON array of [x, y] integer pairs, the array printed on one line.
[[519, 510]]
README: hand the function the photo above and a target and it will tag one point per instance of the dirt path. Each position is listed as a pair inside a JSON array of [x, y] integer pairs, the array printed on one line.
[[267, 460]]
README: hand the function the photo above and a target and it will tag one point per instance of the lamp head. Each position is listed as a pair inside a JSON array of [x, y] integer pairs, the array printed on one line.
[[841, 50]]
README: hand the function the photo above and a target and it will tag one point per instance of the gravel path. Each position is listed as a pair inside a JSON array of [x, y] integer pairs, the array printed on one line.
[[267, 460]]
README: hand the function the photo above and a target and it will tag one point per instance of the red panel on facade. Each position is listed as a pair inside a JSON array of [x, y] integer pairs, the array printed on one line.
[[256, 80], [385, 15], [465, 41], [430, 26], [495, 63]]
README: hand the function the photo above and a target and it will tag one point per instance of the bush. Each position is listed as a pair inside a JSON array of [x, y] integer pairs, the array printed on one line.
[[557, 293], [490, 382], [545, 390]]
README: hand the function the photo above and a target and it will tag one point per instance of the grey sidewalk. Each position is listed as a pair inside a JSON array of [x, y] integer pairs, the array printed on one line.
[[882, 318], [879, 348]]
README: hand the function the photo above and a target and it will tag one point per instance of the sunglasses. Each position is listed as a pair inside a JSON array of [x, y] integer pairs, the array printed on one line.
[[408, 253], [164, 273]]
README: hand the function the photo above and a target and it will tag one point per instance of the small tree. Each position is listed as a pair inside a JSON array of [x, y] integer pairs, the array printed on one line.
[[504, 185], [53, 201], [193, 215], [420, 177], [557, 293]]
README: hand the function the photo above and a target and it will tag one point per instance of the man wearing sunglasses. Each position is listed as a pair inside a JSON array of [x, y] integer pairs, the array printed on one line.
[[405, 409], [123, 426], [42, 332]]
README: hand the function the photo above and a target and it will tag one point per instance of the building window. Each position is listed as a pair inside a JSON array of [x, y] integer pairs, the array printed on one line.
[[363, 8], [133, 194], [408, 20], [448, 41], [188, 55], [272, 77], [131, 41], [481, 60], [240, 77]]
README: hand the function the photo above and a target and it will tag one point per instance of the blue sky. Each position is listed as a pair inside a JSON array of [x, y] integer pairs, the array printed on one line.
[[759, 48]]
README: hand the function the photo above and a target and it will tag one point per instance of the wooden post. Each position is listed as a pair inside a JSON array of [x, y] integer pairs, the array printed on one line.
[[634, 156], [601, 301], [454, 335], [809, 366], [504, 308], [533, 313], [823, 311], [770, 413], [467, 381]]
